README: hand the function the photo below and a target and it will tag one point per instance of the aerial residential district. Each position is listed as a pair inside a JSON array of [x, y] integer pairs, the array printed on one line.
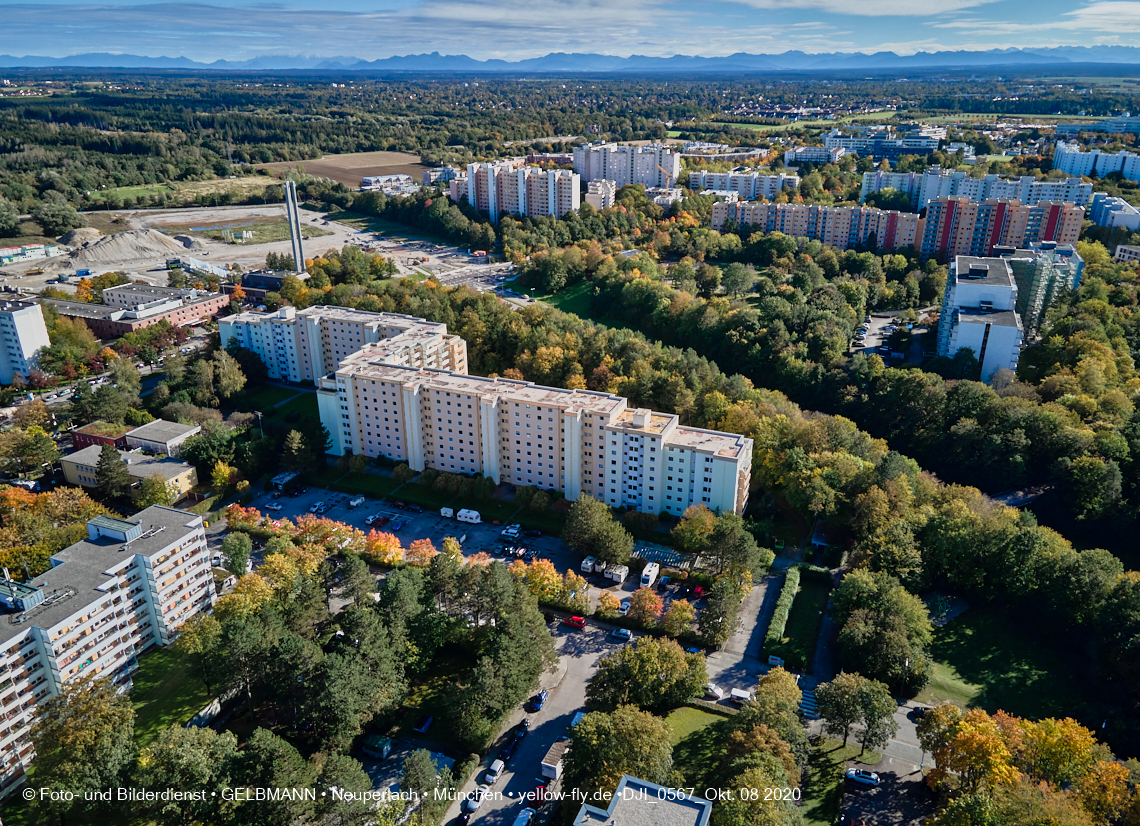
[[667, 444]]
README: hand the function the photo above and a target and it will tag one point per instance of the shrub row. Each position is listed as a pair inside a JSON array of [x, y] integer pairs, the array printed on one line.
[[783, 606]]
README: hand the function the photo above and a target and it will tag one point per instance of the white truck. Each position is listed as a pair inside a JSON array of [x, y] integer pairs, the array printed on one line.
[[469, 516], [649, 575]]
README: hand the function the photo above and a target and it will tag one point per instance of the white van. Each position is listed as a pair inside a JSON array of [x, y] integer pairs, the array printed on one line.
[[357, 502], [739, 696], [494, 773], [588, 565], [649, 575], [446, 512], [469, 516]]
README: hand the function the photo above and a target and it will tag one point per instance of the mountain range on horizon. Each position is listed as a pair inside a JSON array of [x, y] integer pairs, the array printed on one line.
[[791, 61]]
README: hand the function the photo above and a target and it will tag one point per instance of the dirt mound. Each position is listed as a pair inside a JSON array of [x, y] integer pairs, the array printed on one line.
[[189, 242], [81, 236], [128, 247]]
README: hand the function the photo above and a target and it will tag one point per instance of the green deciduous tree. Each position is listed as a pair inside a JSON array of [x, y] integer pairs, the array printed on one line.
[[604, 746], [83, 740], [654, 675], [155, 490], [236, 548]]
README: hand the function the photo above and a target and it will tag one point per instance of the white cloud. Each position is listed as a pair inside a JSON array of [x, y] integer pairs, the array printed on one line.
[[868, 8]]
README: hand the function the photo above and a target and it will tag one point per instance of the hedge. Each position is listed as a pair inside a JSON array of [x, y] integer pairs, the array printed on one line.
[[776, 627]]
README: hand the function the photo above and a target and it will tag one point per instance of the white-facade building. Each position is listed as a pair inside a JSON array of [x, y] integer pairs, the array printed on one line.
[[601, 194], [127, 587], [1109, 211], [510, 189], [813, 154], [23, 334], [1125, 254], [304, 346], [949, 183], [979, 312], [748, 184], [653, 165], [1072, 160]]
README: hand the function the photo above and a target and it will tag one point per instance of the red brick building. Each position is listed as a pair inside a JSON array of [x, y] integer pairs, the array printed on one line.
[[99, 433]]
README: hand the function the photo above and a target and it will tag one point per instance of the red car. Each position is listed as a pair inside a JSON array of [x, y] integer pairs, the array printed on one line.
[[575, 622], [698, 592]]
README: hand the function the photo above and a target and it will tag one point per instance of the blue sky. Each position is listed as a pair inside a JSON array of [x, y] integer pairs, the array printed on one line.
[[514, 29]]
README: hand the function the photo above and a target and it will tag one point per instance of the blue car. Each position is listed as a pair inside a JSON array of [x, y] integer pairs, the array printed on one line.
[[395, 526], [539, 700]]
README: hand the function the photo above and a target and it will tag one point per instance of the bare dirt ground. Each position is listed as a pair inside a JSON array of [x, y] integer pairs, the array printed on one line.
[[349, 169], [152, 268]]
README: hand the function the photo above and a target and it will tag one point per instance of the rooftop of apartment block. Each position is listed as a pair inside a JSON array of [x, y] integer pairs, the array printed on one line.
[[992, 271], [16, 306], [359, 366], [1002, 318], [80, 570], [641, 803], [728, 445]]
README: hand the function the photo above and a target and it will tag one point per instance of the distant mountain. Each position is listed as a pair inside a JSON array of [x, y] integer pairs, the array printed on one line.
[[792, 61]]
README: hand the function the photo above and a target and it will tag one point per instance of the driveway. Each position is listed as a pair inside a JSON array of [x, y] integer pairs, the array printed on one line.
[[900, 799], [580, 652]]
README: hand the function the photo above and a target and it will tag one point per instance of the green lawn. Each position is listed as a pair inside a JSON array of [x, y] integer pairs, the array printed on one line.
[[305, 404], [823, 780], [369, 483], [550, 522], [988, 659], [698, 745], [433, 697], [802, 631], [124, 192], [262, 398], [166, 693]]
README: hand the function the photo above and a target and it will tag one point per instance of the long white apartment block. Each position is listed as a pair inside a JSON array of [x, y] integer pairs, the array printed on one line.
[[749, 184], [950, 183], [22, 335], [1072, 160], [127, 587], [510, 189], [302, 346], [652, 165], [517, 432]]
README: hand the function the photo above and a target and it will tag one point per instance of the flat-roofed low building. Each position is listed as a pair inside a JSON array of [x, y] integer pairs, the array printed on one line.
[[128, 586], [79, 469], [98, 434], [161, 436], [182, 308], [641, 803]]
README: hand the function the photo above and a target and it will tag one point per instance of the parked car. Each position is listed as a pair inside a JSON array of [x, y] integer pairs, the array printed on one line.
[[415, 509], [273, 506], [623, 634], [624, 609], [511, 531], [539, 700], [532, 534], [475, 800], [508, 751], [397, 525], [698, 591], [494, 773], [371, 520], [863, 776], [316, 507], [575, 622], [398, 505], [714, 692], [524, 817]]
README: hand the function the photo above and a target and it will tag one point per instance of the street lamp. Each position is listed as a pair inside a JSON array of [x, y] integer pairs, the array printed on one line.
[[258, 414]]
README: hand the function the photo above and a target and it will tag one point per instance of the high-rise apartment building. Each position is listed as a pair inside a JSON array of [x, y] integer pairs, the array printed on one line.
[[958, 226], [601, 194], [303, 346], [819, 155], [840, 227], [747, 184], [979, 311], [1109, 211], [508, 189], [652, 165], [1041, 272], [23, 334], [128, 586], [948, 183], [407, 396]]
